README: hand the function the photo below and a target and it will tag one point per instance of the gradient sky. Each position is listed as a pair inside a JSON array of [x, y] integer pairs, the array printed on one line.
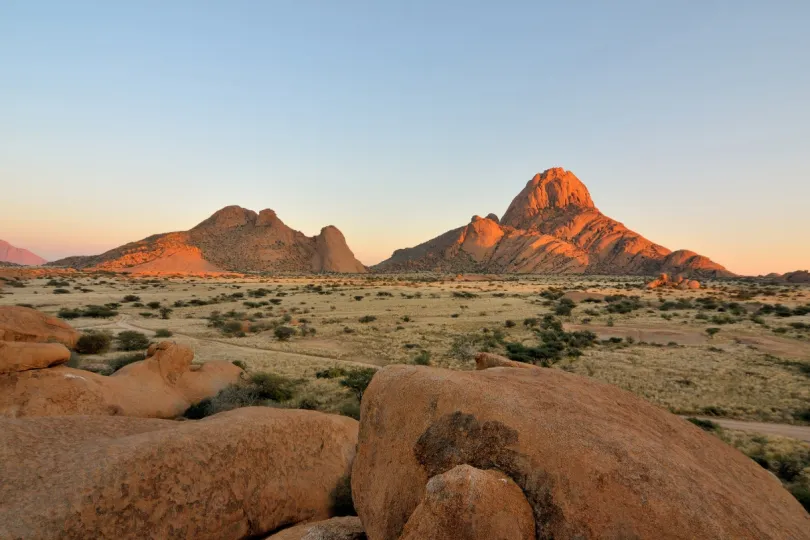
[[398, 120]]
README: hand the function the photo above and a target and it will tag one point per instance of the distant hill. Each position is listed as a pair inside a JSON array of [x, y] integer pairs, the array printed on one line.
[[11, 254], [232, 239], [552, 226]]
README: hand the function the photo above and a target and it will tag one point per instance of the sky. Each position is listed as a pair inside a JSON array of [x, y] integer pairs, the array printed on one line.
[[396, 121]]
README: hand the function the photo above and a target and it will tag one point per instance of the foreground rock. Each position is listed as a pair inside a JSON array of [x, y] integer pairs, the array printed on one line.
[[593, 461], [163, 385], [19, 323], [466, 503], [339, 528], [229, 476], [15, 356]]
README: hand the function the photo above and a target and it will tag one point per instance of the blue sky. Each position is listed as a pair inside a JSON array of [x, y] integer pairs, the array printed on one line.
[[396, 121]]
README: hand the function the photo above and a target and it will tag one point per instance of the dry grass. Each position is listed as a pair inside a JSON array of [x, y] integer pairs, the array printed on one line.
[[746, 371]]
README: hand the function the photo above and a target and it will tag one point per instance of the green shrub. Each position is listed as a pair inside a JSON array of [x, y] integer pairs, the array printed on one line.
[[165, 312], [331, 373], [283, 333], [240, 364], [61, 291], [124, 360], [705, 425], [367, 318], [509, 323], [131, 298], [93, 343], [153, 305], [272, 386], [357, 380], [163, 332], [130, 340], [422, 359]]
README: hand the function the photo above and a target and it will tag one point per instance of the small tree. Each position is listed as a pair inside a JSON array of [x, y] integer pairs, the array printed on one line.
[[165, 312], [357, 380], [93, 343], [712, 332]]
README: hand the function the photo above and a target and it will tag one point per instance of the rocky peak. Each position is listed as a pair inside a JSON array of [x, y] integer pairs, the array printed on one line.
[[228, 217], [553, 189]]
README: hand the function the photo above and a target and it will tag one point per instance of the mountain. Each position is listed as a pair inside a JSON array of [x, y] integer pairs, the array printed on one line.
[[552, 226], [11, 254], [232, 239]]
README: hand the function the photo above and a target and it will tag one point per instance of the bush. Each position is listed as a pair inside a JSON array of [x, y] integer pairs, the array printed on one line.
[[564, 307], [705, 425], [98, 312], [153, 305], [131, 298], [367, 318], [712, 331], [66, 313], [509, 323], [357, 380], [93, 343], [331, 373], [272, 386], [165, 312], [124, 360], [61, 291], [283, 333], [240, 364], [163, 332], [422, 359], [129, 340]]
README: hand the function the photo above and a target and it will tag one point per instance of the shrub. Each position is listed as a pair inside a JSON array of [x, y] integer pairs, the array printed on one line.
[[464, 294], [712, 331], [153, 305], [130, 340], [163, 332], [357, 380], [331, 373], [240, 364], [367, 318], [358, 297], [66, 313], [422, 359], [564, 307], [93, 343], [509, 323], [705, 425], [124, 360], [61, 291], [98, 312], [131, 298], [272, 386], [165, 312], [283, 333]]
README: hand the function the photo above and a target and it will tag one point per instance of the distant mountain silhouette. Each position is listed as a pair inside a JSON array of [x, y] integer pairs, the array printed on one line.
[[552, 226], [11, 254], [232, 239]]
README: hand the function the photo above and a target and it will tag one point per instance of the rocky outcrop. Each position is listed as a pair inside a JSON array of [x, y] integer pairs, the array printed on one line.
[[552, 226], [19, 323], [593, 461], [337, 528], [232, 239], [679, 282], [163, 385], [466, 503], [230, 476], [15, 255], [16, 356]]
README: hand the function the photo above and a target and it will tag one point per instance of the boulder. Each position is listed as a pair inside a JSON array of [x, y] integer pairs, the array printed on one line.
[[236, 474], [19, 323], [466, 503], [163, 385], [17, 356], [593, 461], [337, 528], [693, 284], [484, 360]]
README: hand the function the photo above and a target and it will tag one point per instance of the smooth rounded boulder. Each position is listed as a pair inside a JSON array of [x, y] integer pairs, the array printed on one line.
[[592, 460], [229, 476], [18, 323], [466, 503], [163, 385], [17, 356]]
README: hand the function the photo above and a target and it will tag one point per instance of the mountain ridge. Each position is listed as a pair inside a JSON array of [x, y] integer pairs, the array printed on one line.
[[231, 239], [12, 254], [551, 226]]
